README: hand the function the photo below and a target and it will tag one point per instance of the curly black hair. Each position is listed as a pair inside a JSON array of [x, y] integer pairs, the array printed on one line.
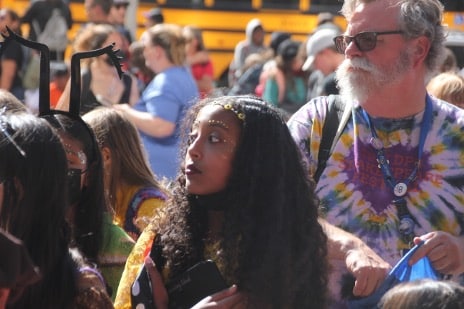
[[272, 245]]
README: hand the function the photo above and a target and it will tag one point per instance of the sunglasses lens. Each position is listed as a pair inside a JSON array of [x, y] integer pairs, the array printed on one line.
[[340, 43], [366, 41]]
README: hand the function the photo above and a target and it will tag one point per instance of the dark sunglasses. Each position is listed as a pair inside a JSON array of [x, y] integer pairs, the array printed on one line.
[[365, 41]]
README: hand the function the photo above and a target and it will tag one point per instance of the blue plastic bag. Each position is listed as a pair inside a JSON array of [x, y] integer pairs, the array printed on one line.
[[401, 272]]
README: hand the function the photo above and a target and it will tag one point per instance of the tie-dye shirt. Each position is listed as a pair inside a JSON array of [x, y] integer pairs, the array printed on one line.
[[352, 190]]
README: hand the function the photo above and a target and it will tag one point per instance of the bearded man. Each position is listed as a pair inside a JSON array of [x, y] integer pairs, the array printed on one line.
[[395, 177]]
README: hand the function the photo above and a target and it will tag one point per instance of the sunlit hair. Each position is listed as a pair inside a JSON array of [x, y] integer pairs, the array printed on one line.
[[88, 220], [195, 32], [449, 87], [170, 38], [10, 103], [272, 244], [34, 205], [92, 37], [129, 163], [417, 18], [424, 294]]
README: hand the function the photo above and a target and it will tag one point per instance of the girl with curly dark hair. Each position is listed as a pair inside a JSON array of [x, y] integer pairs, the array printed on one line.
[[243, 200]]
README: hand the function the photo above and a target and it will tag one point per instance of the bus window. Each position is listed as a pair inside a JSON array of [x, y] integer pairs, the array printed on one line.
[[185, 4], [232, 4], [281, 4], [332, 6]]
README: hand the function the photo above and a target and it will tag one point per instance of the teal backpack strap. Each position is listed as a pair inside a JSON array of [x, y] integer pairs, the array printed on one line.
[[335, 122]]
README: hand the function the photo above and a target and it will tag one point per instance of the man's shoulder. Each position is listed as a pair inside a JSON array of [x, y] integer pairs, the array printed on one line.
[[316, 107]]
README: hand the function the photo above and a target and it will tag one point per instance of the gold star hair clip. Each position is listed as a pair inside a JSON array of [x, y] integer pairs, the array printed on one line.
[[236, 109]]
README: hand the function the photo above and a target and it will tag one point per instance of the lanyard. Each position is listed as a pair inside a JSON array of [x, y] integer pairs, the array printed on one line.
[[400, 188]]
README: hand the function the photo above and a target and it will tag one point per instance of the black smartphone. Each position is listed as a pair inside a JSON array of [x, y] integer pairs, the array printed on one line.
[[141, 291], [196, 283]]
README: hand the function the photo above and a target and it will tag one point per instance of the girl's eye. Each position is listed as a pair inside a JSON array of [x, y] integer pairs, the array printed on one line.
[[191, 138], [215, 139]]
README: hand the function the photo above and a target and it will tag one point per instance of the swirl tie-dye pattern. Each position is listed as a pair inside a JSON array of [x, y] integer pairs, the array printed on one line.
[[352, 190]]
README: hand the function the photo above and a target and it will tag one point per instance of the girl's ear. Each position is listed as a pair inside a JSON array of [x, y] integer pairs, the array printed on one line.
[[106, 156]]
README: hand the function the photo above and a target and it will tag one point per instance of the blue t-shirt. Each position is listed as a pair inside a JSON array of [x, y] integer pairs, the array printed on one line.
[[167, 96]]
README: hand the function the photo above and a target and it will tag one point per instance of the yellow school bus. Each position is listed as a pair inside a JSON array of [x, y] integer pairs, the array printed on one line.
[[223, 21]]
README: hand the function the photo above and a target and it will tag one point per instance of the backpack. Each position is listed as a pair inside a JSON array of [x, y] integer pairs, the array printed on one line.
[[55, 32], [338, 114]]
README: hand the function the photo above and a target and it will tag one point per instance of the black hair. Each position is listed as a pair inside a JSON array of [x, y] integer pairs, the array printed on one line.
[[272, 244], [88, 220], [34, 206]]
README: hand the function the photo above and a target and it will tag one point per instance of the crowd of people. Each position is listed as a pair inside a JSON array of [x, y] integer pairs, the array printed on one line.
[[109, 201]]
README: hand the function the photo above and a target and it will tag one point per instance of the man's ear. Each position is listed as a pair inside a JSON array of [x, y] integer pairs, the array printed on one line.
[[421, 49]]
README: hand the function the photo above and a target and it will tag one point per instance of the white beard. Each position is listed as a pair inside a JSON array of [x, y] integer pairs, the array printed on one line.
[[359, 79]]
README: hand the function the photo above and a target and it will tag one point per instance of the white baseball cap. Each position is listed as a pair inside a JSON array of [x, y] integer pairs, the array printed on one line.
[[320, 40]]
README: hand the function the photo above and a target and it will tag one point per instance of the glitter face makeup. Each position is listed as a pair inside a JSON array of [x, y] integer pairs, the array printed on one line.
[[80, 155], [219, 123]]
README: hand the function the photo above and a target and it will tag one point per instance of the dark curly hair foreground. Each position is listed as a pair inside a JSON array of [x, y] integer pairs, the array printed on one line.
[[272, 244]]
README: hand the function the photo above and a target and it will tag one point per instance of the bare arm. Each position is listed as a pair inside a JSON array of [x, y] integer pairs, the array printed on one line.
[[368, 268], [63, 101], [134, 93], [147, 123], [9, 68]]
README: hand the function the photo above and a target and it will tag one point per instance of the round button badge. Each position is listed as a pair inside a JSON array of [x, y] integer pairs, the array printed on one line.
[[400, 189]]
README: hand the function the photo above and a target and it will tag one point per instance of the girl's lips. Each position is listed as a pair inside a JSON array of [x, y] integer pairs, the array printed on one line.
[[191, 169]]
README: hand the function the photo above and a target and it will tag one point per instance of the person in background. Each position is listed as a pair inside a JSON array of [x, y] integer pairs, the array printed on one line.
[[101, 84], [39, 13], [90, 216], [12, 57], [33, 170], [131, 187], [395, 175], [322, 59], [252, 44], [285, 85], [138, 66], [449, 63], [424, 294], [97, 11], [59, 72], [256, 67], [326, 20], [117, 17], [448, 86], [163, 103], [153, 17], [227, 205], [199, 60]]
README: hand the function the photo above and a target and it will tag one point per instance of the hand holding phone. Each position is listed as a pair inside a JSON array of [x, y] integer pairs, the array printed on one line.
[[148, 288]]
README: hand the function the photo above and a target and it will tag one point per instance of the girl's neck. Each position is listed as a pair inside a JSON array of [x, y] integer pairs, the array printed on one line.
[[215, 222]]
